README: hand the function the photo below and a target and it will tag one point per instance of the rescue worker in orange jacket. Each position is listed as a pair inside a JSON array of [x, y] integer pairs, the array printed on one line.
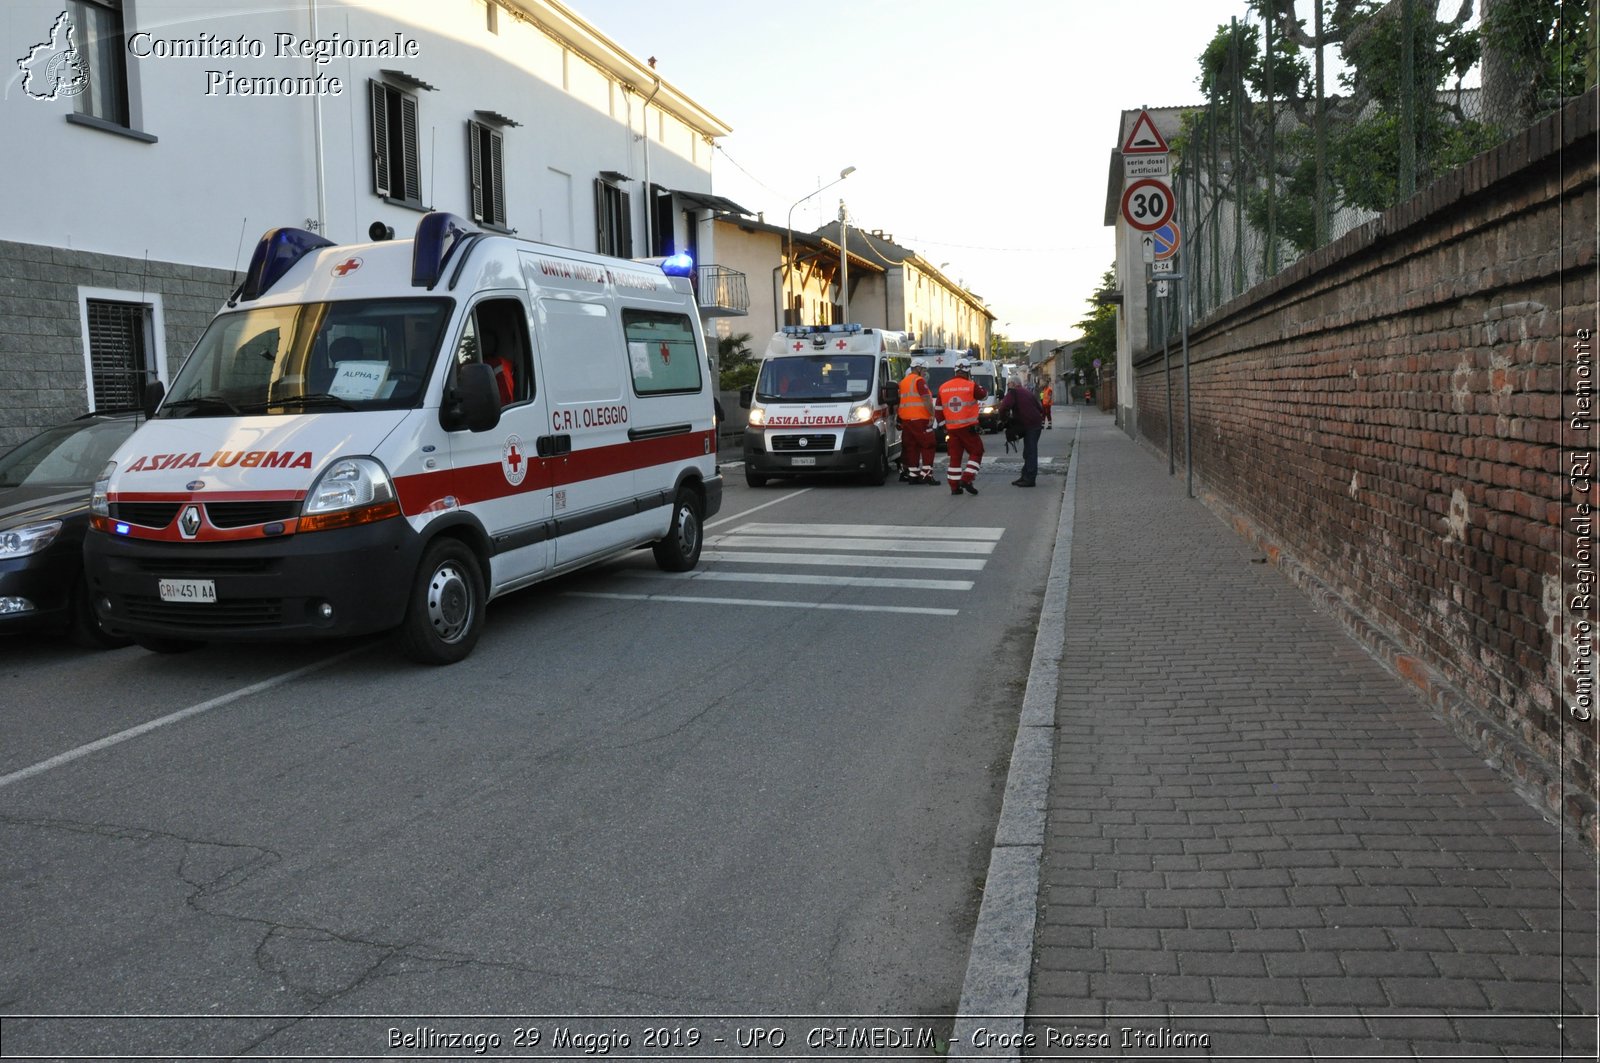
[[916, 425], [1047, 398], [959, 398]]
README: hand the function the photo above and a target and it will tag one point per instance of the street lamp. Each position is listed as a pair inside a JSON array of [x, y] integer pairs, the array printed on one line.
[[788, 255]]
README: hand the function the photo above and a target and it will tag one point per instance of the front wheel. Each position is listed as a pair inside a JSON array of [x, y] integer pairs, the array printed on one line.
[[754, 479], [679, 551], [877, 468], [445, 613]]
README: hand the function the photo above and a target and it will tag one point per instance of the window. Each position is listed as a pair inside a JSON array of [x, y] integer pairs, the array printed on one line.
[[100, 48], [613, 220], [662, 352], [497, 335], [120, 362], [486, 168], [396, 166]]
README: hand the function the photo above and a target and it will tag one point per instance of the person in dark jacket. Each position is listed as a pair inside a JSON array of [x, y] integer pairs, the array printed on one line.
[[1025, 410]]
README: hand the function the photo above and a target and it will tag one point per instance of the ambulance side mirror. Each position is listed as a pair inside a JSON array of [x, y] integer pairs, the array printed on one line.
[[888, 395], [474, 402], [745, 394], [154, 392]]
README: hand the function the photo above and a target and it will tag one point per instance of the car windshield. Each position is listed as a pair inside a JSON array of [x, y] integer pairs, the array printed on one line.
[[68, 455], [362, 354], [815, 378]]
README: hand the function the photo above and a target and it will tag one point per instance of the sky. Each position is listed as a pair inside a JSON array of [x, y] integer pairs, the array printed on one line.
[[981, 133]]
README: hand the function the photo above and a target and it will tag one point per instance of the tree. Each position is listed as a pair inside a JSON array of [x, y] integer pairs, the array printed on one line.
[[736, 363], [1099, 328]]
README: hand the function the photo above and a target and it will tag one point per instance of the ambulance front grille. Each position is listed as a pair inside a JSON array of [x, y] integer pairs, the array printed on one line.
[[244, 514], [145, 514], [203, 564], [808, 444], [237, 612]]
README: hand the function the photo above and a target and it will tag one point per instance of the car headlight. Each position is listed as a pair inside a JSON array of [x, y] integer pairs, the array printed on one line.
[[29, 538], [861, 415], [758, 416], [98, 504], [989, 408], [350, 491]]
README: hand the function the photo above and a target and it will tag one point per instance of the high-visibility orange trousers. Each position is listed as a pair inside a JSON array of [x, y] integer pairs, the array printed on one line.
[[965, 446]]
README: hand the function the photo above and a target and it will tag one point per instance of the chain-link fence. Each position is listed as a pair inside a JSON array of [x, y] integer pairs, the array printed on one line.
[[1320, 114]]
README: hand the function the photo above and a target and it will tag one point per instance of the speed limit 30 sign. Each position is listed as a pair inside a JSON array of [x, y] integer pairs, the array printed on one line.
[[1147, 204]]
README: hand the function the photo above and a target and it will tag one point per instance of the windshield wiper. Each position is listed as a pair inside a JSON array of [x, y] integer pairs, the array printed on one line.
[[200, 402], [316, 398]]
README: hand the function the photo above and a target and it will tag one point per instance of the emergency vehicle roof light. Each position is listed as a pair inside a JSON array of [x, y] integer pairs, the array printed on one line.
[[438, 234], [808, 330], [276, 253], [678, 265]]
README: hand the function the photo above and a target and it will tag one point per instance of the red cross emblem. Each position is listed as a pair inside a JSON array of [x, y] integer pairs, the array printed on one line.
[[349, 265], [511, 461], [841, 345], [666, 354], [515, 457], [799, 346]]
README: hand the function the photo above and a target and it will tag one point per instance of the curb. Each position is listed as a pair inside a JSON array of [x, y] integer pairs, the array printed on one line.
[[994, 993]]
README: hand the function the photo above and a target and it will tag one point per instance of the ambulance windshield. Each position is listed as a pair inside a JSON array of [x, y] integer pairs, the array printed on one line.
[[815, 378], [364, 354]]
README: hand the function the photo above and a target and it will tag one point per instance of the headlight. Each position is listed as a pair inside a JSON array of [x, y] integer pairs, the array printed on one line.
[[758, 416], [97, 494], [861, 415], [28, 539], [351, 491], [989, 408]]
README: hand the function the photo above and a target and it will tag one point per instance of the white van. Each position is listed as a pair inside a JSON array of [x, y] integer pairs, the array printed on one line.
[[824, 403], [942, 366], [389, 435]]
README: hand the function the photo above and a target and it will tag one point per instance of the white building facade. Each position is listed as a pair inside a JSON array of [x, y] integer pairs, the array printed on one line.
[[163, 137]]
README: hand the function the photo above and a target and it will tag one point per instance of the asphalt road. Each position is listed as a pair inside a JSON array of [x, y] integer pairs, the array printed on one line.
[[764, 788]]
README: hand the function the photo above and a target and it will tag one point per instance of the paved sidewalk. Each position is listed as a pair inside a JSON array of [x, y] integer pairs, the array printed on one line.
[[1259, 839]]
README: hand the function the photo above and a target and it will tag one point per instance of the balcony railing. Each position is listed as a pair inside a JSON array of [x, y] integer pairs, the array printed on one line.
[[721, 292]]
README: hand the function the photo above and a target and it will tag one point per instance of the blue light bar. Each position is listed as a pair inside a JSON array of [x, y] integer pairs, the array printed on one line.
[[122, 529], [276, 253], [678, 265], [812, 330], [438, 234]]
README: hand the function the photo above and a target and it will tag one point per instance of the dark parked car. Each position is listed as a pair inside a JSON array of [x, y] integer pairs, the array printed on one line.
[[44, 513]]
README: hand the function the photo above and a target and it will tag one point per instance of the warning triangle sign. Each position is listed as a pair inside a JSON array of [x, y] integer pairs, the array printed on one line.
[[1143, 138]]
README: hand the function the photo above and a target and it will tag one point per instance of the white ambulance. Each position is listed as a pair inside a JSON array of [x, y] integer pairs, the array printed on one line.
[[388, 435], [942, 366], [824, 403]]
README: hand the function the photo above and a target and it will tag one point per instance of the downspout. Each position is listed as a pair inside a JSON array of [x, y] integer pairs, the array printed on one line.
[[649, 200], [316, 126]]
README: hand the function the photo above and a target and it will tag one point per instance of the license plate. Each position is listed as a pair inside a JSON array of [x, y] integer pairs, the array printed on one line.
[[188, 590], [805, 461]]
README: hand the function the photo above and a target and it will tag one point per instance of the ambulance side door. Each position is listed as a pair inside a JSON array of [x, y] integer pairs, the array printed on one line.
[[500, 476]]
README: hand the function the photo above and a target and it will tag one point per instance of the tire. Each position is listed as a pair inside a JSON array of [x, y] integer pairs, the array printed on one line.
[[754, 479], [877, 469], [444, 616], [161, 644], [86, 629], [680, 550]]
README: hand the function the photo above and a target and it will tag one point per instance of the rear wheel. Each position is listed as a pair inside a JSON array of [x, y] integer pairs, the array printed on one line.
[[445, 614], [680, 550]]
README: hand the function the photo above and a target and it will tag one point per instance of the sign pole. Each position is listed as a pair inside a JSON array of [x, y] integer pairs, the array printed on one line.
[[1166, 361], [1188, 391]]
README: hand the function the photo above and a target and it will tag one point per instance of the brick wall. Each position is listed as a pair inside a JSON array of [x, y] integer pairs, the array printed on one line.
[[1385, 419], [42, 376]]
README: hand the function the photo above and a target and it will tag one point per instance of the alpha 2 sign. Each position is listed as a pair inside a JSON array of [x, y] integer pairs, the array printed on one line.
[[1147, 204]]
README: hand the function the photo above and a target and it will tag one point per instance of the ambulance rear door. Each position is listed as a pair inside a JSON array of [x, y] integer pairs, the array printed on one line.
[[503, 475]]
